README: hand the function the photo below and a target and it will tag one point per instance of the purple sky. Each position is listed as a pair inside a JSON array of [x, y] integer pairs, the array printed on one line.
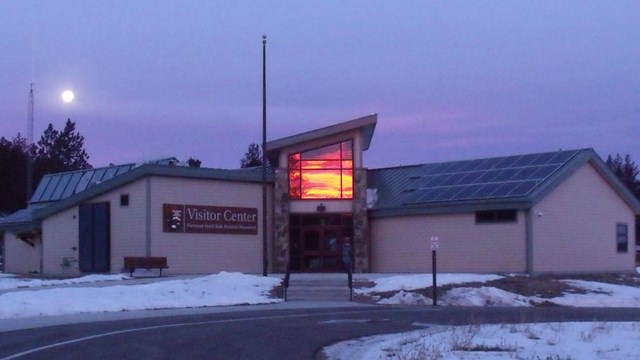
[[450, 80]]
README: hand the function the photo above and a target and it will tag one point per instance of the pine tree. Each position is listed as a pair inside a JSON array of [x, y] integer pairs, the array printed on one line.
[[253, 156], [193, 162], [627, 171]]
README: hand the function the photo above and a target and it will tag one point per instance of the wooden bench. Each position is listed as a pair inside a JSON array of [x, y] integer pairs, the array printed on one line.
[[145, 262]]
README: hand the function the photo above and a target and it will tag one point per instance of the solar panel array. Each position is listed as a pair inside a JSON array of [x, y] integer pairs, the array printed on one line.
[[494, 178], [55, 187]]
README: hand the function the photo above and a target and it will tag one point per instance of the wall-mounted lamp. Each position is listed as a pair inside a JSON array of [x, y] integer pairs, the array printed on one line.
[[321, 208]]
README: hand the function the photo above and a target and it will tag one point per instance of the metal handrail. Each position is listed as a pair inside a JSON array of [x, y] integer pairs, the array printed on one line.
[[287, 275], [350, 279]]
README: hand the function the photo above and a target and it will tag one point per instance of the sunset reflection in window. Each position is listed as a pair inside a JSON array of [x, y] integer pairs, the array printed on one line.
[[322, 173]]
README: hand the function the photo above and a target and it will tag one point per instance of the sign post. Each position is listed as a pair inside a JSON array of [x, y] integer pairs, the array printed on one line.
[[434, 249]]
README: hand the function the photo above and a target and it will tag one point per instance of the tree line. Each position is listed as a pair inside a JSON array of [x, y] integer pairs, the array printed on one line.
[[55, 151]]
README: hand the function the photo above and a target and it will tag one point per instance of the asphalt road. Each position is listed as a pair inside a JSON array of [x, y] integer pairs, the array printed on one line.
[[262, 334]]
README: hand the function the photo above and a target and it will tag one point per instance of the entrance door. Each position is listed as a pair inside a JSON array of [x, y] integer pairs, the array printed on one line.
[[95, 240], [321, 248], [318, 241]]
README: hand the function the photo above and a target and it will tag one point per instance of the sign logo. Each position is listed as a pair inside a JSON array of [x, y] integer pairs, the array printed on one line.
[[209, 219]]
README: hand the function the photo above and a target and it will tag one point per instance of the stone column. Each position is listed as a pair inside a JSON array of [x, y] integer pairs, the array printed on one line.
[[281, 221], [361, 241]]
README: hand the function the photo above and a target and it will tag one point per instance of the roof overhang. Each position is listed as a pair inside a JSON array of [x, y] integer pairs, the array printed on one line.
[[365, 124], [452, 208], [150, 170]]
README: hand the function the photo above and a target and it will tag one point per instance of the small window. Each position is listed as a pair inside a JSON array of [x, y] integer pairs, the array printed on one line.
[[622, 237], [124, 199], [496, 216]]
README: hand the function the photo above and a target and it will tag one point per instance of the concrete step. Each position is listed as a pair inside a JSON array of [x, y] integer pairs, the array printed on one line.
[[318, 287]]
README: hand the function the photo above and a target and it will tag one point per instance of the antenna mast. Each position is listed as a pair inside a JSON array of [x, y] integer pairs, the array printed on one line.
[[29, 145]]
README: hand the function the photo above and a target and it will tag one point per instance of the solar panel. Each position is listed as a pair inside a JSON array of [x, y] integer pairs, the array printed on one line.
[[425, 195], [84, 181], [486, 190], [506, 175], [50, 188], [525, 160], [487, 176], [73, 183], [563, 156], [64, 181], [467, 192], [111, 172], [449, 193], [507, 162], [524, 188], [40, 190], [505, 189], [123, 169], [97, 177], [439, 168], [511, 176], [541, 159]]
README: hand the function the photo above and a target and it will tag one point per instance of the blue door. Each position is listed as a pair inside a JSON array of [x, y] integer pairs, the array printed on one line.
[[95, 239]]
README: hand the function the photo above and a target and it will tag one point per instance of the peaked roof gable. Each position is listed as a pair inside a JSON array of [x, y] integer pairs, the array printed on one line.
[[367, 124]]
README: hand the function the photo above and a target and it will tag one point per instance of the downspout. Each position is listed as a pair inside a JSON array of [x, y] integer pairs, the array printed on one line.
[[41, 252], [148, 217], [528, 241]]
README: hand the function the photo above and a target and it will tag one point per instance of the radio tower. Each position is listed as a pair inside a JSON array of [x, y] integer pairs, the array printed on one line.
[[29, 145]]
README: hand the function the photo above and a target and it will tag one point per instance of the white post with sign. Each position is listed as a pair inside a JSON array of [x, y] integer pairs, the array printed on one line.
[[435, 242]]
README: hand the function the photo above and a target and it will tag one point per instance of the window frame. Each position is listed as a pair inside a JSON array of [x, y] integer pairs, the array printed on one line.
[[622, 232], [298, 159], [501, 216], [125, 200]]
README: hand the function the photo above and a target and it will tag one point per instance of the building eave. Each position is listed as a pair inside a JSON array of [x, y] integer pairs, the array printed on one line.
[[452, 207], [145, 171], [366, 124]]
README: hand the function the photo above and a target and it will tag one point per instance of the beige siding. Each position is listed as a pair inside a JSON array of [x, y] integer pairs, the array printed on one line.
[[187, 253], [61, 231], [20, 257], [574, 228], [60, 242], [206, 253], [401, 244]]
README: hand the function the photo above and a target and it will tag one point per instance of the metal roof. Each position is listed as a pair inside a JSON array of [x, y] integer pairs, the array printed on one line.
[[510, 181], [54, 187]]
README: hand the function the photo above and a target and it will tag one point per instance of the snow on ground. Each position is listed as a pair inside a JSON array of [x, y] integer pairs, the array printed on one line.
[[484, 296], [605, 295], [213, 290], [597, 294], [585, 340], [417, 281], [9, 281]]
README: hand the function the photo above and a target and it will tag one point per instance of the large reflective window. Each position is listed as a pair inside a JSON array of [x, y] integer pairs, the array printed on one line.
[[322, 173]]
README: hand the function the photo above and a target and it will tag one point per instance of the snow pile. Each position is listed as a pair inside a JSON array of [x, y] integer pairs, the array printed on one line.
[[483, 296], [406, 298], [583, 340], [600, 294], [418, 281], [597, 294], [214, 290], [10, 282]]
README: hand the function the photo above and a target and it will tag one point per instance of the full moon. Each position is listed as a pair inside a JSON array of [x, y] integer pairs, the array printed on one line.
[[67, 96]]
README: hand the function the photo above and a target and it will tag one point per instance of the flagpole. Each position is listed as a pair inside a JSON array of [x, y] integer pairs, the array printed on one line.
[[265, 257]]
